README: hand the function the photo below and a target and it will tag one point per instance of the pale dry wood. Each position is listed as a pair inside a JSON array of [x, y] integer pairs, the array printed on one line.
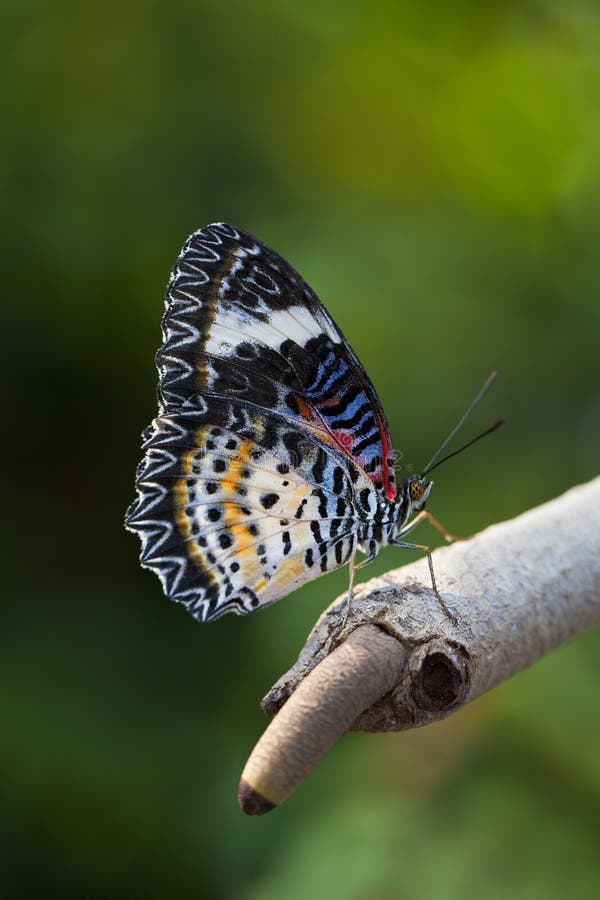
[[518, 589], [348, 681]]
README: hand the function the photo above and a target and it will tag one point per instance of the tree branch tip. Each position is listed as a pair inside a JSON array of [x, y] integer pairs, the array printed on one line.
[[251, 801]]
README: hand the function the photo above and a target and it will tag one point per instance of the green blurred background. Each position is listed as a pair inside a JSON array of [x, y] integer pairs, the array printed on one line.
[[433, 170]]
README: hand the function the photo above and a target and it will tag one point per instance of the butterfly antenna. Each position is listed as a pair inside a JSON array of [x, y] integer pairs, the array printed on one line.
[[459, 425], [474, 440]]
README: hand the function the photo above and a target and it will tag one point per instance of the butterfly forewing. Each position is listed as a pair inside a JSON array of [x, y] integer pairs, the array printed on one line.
[[240, 321]]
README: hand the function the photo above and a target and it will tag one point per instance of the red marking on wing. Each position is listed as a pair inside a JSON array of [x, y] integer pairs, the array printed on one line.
[[344, 441], [390, 490]]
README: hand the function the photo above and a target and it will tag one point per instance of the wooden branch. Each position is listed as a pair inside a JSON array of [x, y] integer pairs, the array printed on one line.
[[518, 589]]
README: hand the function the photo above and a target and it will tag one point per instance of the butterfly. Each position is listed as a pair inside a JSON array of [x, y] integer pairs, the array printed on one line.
[[270, 461]]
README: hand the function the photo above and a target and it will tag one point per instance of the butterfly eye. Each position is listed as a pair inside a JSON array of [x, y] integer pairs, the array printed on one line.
[[416, 490]]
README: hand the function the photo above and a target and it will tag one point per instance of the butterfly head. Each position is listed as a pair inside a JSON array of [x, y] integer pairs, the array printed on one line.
[[416, 492], [412, 498]]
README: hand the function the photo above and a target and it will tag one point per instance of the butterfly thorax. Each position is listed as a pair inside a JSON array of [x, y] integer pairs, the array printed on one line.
[[380, 527], [389, 517]]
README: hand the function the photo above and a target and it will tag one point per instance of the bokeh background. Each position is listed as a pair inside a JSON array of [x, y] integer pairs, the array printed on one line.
[[433, 170]]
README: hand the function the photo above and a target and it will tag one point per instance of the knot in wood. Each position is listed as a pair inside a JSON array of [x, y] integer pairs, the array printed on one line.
[[440, 676]]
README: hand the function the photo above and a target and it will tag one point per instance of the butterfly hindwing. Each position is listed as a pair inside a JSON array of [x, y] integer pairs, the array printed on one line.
[[230, 524]]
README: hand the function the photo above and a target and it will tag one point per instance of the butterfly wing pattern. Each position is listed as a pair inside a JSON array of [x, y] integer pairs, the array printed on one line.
[[270, 449]]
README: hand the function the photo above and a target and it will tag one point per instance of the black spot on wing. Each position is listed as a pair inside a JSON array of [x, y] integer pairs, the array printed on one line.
[[318, 469]]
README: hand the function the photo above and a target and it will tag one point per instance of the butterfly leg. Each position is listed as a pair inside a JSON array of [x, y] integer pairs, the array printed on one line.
[[447, 534], [427, 551], [354, 567], [350, 592], [424, 514]]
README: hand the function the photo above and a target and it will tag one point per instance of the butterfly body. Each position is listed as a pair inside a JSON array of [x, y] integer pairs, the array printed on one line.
[[270, 460]]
